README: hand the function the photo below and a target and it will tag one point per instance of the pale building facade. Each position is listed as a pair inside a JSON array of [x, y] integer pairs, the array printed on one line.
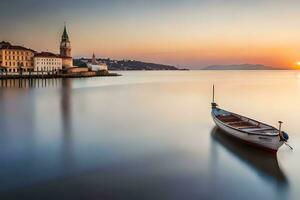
[[47, 62], [96, 66], [16, 58], [66, 50]]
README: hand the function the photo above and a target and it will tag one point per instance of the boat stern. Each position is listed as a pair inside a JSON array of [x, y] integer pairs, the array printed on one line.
[[214, 105], [284, 136]]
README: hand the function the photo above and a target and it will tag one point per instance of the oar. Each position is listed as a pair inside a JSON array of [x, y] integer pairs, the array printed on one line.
[[289, 145]]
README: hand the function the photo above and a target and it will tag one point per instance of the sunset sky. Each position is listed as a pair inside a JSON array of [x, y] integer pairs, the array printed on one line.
[[190, 33]]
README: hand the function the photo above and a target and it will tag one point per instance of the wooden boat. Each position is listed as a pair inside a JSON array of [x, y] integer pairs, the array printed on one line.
[[248, 130]]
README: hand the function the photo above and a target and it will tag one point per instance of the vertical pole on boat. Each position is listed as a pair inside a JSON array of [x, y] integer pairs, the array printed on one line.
[[280, 125], [213, 93], [213, 104]]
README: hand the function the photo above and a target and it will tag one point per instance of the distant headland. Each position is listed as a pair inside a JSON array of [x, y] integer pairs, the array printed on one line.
[[126, 65], [241, 67]]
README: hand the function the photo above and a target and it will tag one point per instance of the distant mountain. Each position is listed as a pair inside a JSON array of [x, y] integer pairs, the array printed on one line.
[[126, 64], [241, 67]]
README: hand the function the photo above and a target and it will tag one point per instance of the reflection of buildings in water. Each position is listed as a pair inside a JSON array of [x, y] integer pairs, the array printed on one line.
[[3, 111], [16, 105], [17, 110], [30, 83], [66, 89], [66, 104], [263, 163], [17, 120]]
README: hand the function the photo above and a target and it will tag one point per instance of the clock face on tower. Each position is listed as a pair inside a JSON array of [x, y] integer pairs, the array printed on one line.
[[65, 45]]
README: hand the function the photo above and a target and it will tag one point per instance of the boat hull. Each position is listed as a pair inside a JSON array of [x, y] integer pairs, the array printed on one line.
[[269, 143]]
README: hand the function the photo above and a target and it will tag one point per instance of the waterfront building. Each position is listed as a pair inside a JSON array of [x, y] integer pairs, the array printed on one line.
[[2, 69], [47, 61], [15, 58], [66, 50], [97, 66]]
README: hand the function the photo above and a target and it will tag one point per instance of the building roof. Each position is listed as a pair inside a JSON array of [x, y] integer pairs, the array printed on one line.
[[65, 36], [46, 55], [7, 45], [4, 44]]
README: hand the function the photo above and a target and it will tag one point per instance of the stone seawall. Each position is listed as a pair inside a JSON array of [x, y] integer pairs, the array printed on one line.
[[49, 76]]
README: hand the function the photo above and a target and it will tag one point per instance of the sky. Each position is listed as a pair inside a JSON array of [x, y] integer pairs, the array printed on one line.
[[190, 33]]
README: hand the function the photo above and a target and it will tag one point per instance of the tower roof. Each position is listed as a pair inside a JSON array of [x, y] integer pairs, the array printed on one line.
[[65, 35], [94, 60]]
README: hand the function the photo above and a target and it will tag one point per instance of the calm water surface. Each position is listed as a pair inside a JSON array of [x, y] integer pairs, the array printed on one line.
[[146, 135]]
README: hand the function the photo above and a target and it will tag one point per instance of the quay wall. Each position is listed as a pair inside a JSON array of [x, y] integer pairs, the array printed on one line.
[[4, 76]]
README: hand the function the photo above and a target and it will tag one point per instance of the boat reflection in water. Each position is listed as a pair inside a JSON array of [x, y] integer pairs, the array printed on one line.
[[264, 163]]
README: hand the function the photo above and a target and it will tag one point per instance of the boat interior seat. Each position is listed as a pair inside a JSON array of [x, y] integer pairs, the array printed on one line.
[[229, 118], [235, 122], [229, 121], [246, 127], [262, 129], [241, 123]]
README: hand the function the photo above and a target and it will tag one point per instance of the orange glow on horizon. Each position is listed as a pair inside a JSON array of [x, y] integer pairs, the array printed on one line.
[[297, 65], [186, 33]]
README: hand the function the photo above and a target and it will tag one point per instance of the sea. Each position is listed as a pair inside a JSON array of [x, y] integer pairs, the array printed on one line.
[[146, 135]]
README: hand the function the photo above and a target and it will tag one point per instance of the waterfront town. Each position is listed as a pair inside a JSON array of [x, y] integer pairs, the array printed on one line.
[[19, 61]]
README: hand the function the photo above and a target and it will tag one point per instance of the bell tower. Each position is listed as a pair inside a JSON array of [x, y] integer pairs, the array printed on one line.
[[65, 50], [65, 44]]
